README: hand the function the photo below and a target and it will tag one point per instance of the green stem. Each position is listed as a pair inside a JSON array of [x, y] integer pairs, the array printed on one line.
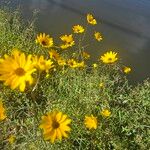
[[85, 32], [80, 47], [58, 47], [36, 84]]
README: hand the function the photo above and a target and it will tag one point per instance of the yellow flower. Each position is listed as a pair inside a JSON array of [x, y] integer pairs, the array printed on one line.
[[91, 20], [126, 70], [78, 29], [109, 57], [11, 139], [55, 125], [68, 41], [67, 38], [81, 64], [54, 55], [90, 122], [44, 40], [105, 113], [95, 65], [85, 55], [61, 62], [42, 64], [64, 46], [16, 70], [74, 64], [2, 111], [98, 36]]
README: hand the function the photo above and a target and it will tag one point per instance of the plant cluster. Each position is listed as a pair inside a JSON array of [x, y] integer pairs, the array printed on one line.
[[52, 98]]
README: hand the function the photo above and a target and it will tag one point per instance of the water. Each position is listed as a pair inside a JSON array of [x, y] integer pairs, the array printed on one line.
[[124, 24]]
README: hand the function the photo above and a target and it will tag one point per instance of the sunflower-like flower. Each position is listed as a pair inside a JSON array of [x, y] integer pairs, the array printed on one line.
[[105, 113], [78, 29], [44, 40], [90, 122], [68, 41], [16, 70], [54, 54], [85, 55], [81, 64], [74, 64], [55, 125], [98, 36], [42, 64], [109, 57], [61, 61], [126, 70], [2, 111], [91, 20]]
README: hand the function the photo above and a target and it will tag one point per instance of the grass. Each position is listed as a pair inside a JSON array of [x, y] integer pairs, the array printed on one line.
[[75, 92]]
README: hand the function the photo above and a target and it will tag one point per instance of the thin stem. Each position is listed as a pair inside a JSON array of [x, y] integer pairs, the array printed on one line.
[[80, 47], [81, 39], [34, 88], [86, 27], [56, 47]]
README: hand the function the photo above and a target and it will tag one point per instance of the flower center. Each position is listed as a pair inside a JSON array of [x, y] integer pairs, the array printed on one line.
[[44, 42], [55, 56], [55, 124], [109, 59], [20, 71], [43, 63], [91, 19], [71, 63]]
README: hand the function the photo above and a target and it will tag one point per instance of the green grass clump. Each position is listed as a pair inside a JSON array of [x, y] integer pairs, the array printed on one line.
[[75, 92]]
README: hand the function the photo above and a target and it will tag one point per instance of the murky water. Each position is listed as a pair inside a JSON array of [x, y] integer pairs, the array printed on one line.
[[124, 24]]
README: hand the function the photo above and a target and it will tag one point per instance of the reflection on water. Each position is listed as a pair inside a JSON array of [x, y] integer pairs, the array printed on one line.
[[124, 24]]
